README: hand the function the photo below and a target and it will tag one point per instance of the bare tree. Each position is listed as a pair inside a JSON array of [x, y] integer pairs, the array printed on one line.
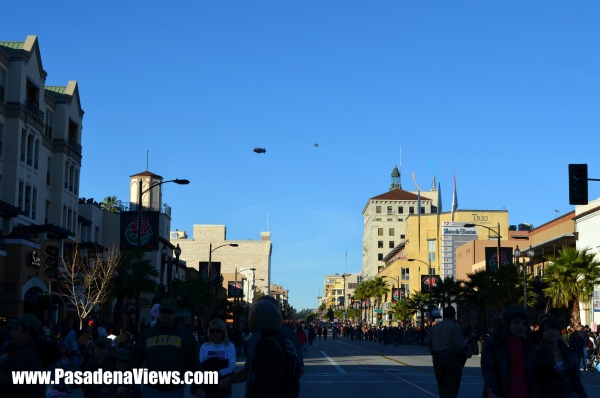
[[86, 281]]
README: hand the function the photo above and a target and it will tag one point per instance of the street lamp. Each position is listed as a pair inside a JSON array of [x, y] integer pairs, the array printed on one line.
[[210, 251], [397, 279], [497, 234], [168, 261], [429, 284], [526, 253], [141, 193]]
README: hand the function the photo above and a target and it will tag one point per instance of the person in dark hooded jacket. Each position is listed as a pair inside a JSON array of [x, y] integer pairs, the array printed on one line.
[[557, 367], [508, 358]]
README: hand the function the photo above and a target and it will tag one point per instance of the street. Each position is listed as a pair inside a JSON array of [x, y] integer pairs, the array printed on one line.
[[364, 369]]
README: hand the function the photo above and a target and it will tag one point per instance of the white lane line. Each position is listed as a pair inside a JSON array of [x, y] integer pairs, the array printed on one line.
[[335, 365]]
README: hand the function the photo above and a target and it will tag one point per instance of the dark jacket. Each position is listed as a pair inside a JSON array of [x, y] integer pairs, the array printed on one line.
[[553, 384], [162, 348], [26, 358], [495, 359]]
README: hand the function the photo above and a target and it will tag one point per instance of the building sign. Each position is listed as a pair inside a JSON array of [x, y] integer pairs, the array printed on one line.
[[429, 282], [454, 235], [212, 274], [235, 289], [397, 294], [491, 258], [146, 232]]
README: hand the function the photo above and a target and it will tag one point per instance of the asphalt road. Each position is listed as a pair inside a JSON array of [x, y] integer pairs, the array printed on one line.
[[365, 369]]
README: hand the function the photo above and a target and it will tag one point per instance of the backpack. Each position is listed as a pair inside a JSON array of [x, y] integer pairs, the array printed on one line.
[[291, 374]]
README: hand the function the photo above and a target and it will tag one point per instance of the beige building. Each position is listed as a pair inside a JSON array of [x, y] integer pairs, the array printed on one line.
[[385, 221], [252, 258]]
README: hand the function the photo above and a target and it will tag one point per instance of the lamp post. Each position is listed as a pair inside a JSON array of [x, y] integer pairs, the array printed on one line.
[[527, 253], [140, 194], [491, 230], [429, 284], [210, 251], [235, 297], [397, 280]]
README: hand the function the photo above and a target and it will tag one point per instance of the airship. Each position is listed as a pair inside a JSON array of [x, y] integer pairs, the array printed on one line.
[[259, 150]]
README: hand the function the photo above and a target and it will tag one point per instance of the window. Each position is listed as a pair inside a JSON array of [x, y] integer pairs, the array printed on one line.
[[30, 150], [1, 138], [400, 209], [66, 175], [389, 210], [21, 193], [402, 236], [377, 209], [23, 144], [380, 244], [380, 231], [34, 204], [431, 249], [406, 288], [49, 124], [27, 208], [2, 84], [411, 210], [48, 171], [352, 285], [47, 212], [405, 274], [36, 155], [391, 245], [422, 210], [392, 232], [380, 256]]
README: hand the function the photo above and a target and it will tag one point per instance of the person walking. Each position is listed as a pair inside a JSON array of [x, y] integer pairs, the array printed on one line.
[[166, 346], [558, 373], [446, 343], [508, 358], [217, 355]]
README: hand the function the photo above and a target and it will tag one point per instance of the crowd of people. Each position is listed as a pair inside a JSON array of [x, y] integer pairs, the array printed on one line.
[[517, 360]]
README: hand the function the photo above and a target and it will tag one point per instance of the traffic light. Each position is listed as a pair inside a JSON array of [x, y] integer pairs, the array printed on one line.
[[50, 261], [578, 184]]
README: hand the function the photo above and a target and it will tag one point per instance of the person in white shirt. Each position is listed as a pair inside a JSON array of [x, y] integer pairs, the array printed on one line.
[[218, 354]]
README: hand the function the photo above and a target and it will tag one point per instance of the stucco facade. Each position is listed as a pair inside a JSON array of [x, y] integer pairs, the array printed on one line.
[[248, 255]]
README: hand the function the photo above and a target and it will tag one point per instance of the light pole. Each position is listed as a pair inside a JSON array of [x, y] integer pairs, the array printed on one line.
[[527, 253], [141, 193], [497, 234], [235, 298], [429, 284], [210, 251], [397, 280]]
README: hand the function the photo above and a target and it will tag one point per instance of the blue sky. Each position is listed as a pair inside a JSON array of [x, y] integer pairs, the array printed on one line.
[[503, 94]]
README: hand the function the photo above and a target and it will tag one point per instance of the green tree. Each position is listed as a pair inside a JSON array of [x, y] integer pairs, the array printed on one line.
[[402, 311], [571, 277], [111, 204], [446, 292], [419, 301], [136, 276]]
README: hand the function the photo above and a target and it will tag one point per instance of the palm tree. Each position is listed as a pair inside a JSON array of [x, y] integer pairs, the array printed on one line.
[[111, 204], [571, 278], [136, 276], [401, 310], [362, 292], [378, 288], [446, 291], [419, 301]]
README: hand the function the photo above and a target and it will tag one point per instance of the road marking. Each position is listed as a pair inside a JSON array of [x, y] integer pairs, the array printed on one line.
[[335, 365]]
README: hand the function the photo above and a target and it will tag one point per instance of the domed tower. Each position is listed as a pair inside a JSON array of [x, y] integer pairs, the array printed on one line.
[[395, 179]]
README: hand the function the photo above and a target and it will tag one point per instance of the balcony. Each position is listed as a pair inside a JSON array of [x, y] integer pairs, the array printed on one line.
[[34, 112]]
